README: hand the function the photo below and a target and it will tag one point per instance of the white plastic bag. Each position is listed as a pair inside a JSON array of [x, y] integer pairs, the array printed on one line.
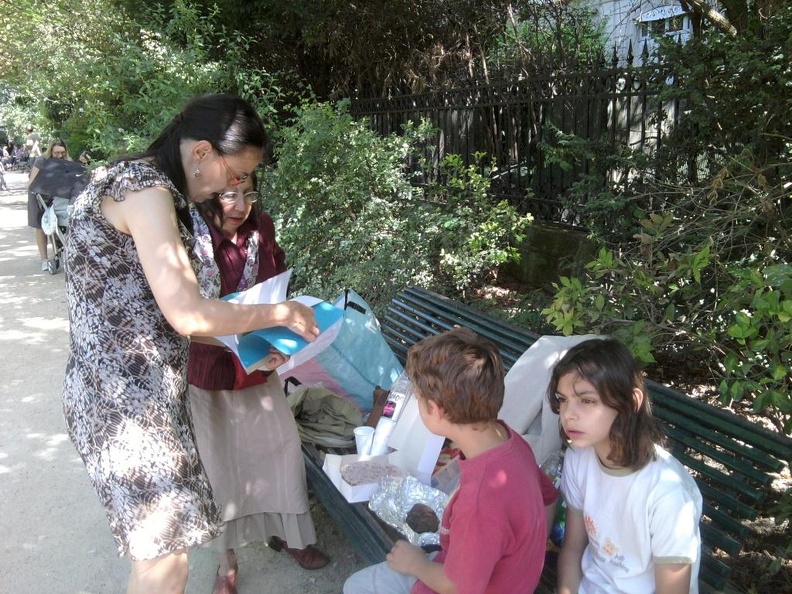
[[357, 360], [525, 407], [49, 220]]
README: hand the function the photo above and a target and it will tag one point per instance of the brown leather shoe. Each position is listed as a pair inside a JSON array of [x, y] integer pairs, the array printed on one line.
[[225, 584], [309, 558]]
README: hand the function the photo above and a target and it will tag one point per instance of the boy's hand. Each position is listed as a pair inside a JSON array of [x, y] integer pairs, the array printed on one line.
[[406, 558], [412, 560], [274, 360]]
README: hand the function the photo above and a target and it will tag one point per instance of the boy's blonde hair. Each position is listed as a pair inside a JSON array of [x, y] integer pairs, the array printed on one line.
[[460, 372]]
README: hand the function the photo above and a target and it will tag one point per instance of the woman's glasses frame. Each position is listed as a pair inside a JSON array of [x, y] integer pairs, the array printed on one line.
[[231, 197], [236, 178]]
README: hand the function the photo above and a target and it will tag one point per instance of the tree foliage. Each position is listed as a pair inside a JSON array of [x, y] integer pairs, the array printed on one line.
[[700, 274], [349, 218], [379, 47], [108, 84], [735, 16]]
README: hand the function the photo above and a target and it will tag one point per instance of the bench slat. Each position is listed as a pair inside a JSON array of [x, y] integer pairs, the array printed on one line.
[[758, 458], [443, 321], [510, 339], [724, 499], [726, 458], [437, 303], [774, 444], [728, 530], [714, 572]]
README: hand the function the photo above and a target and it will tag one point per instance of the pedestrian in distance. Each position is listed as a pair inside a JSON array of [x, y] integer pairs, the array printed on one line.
[[56, 150], [3, 183]]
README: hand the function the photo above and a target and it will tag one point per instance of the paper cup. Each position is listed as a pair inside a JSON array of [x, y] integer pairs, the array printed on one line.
[[363, 438]]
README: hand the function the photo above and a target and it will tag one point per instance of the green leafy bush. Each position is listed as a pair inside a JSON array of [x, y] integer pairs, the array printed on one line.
[[349, 217], [758, 358], [707, 286], [735, 92], [694, 265]]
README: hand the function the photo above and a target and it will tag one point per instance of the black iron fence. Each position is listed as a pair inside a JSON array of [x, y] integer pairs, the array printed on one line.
[[527, 127]]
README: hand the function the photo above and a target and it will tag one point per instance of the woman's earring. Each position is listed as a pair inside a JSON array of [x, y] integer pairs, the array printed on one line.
[[197, 172]]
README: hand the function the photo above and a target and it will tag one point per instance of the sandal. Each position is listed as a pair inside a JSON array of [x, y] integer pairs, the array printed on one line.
[[225, 584], [309, 558]]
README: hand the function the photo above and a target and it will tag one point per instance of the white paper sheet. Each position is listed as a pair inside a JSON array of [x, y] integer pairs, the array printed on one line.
[[416, 448]]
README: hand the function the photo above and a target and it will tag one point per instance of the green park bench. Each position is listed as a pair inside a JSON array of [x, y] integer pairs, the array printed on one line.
[[733, 460]]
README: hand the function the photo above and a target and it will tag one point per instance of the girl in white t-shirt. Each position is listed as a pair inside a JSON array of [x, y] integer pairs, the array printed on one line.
[[633, 511]]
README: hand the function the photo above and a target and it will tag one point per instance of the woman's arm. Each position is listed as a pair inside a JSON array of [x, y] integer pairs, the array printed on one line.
[[570, 572], [33, 173], [150, 218]]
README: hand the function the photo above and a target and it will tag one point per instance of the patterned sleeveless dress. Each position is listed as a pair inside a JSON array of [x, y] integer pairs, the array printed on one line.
[[125, 389]]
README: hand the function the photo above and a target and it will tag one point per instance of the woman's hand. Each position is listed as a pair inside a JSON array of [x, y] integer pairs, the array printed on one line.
[[298, 318]]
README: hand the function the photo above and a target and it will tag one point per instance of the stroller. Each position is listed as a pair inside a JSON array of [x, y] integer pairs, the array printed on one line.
[[55, 224], [55, 186]]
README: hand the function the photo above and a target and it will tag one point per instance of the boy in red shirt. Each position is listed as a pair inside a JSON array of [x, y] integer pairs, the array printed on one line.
[[494, 528]]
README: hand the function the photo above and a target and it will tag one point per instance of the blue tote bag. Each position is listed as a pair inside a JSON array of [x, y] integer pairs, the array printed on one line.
[[356, 361]]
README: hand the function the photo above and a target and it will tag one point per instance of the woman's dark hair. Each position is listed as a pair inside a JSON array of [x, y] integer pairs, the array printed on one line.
[[611, 369], [229, 123], [212, 209]]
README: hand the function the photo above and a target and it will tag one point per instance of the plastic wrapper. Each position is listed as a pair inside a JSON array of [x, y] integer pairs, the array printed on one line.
[[553, 467], [396, 497]]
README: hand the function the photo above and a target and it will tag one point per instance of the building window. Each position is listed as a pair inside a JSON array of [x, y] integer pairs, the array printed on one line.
[[668, 21]]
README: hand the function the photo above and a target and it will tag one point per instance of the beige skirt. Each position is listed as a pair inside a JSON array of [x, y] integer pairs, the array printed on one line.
[[248, 442]]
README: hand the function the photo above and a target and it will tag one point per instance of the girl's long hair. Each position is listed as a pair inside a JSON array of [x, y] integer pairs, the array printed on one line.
[[609, 366]]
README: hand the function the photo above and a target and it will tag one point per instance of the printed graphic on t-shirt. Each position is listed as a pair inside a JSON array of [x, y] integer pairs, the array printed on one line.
[[591, 529], [606, 552]]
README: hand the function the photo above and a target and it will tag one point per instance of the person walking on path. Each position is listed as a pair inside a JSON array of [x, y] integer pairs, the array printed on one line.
[[3, 183], [56, 150]]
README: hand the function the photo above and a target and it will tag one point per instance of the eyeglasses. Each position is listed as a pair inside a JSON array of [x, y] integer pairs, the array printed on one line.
[[236, 178], [232, 197], [58, 153]]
